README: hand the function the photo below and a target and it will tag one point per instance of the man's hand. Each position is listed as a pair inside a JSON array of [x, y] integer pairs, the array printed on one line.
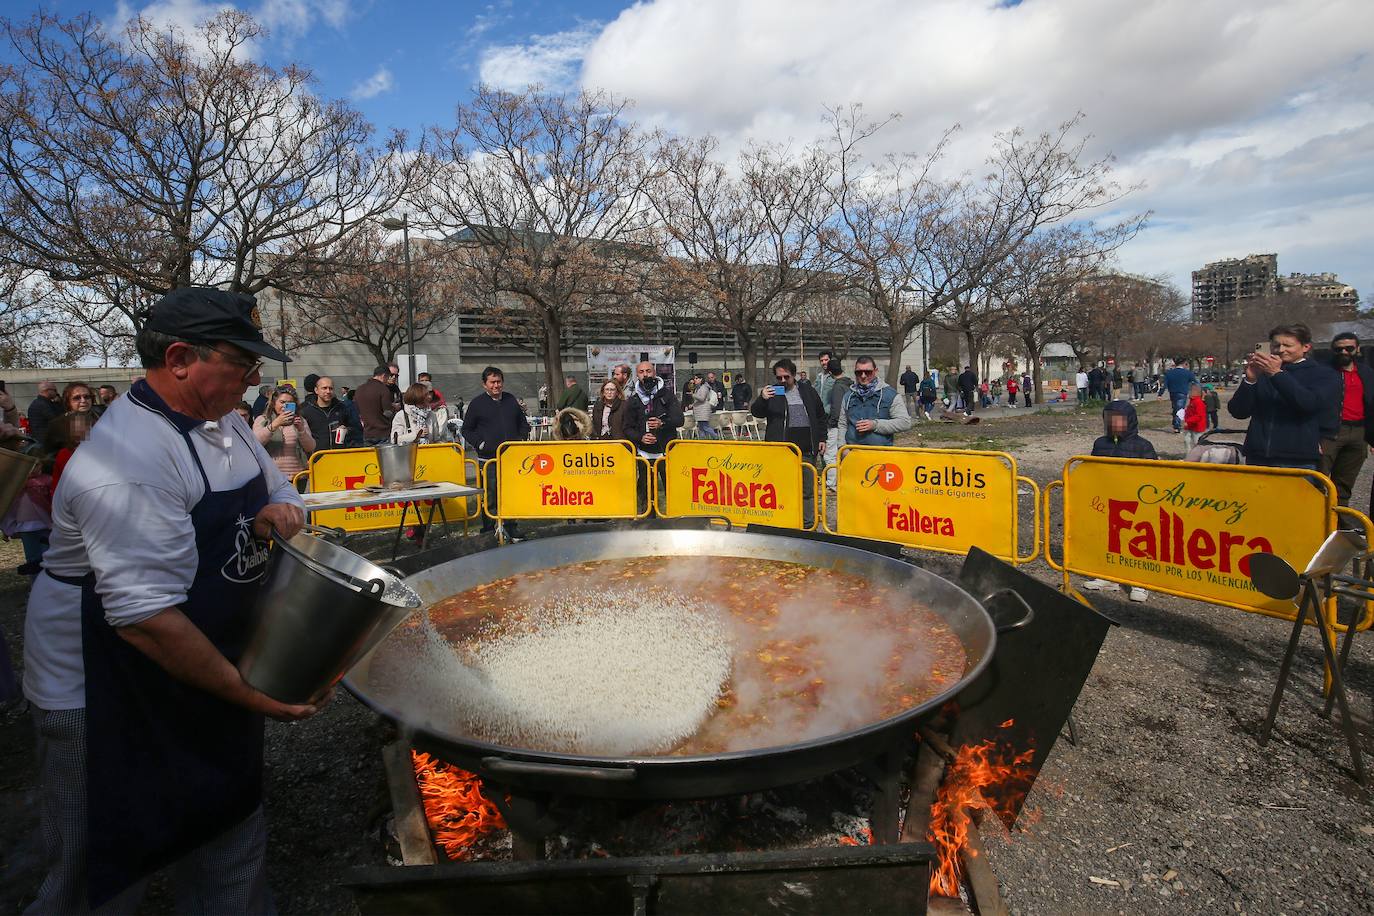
[[260, 702], [1264, 364], [653, 423], [864, 426], [767, 392], [285, 518], [649, 439]]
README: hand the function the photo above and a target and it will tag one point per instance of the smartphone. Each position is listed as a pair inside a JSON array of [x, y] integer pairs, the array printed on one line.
[[1262, 347], [780, 389], [289, 407]]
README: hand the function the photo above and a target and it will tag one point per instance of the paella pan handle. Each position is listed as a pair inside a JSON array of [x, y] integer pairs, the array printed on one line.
[[998, 619], [502, 766]]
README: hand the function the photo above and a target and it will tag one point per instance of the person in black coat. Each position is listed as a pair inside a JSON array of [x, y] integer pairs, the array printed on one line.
[[1122, 437], [653, 416], [968, 384], [1343, 454], [775, 409], [1291, 401], [782, 412], [492, 418], [1122, 440], [741, 393]]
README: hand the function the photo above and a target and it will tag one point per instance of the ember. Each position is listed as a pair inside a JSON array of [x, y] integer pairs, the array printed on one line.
[[457, 811], [976, 768]]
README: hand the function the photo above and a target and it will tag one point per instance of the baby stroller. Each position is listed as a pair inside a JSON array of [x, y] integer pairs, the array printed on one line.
[[1210, 450]]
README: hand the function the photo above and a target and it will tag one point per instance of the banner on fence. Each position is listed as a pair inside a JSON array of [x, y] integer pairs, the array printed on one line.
[[573, 479], [935, 499], [754, 483], [355, 468], [1189, 529]]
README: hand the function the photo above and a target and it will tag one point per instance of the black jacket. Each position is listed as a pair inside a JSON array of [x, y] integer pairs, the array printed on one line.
[[1290, 412], [1367, 379], [489, 422], [1128, 445], [910, 381], [968, 380], [323, 421], [741, 393], [774, 411], [664, 405]]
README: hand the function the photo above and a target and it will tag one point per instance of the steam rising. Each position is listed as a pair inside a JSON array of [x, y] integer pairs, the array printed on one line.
[[605, 672], [622, 659]]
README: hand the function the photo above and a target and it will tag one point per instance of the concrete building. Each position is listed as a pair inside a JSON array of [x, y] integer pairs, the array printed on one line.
[[1327, 288], [1219, 284]]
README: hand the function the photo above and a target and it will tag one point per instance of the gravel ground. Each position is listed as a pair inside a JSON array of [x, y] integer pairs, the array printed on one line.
[[1167, 800]]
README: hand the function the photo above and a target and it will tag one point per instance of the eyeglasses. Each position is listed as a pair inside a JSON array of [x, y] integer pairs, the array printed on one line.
[[250, 367], [82, 397], [783, 378], [1345, 349], [865, 371]]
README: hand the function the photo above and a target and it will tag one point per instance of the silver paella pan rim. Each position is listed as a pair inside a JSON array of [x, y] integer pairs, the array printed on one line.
[[960, 611]]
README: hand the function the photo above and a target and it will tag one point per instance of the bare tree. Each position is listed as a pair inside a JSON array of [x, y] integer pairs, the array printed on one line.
[[154, 160], [545, 194], [899, 229], [741, 242], [1039, 284], [357, 293]]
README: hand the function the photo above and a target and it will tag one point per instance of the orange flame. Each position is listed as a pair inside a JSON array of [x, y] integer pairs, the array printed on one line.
[[975, 768], [457, 811]]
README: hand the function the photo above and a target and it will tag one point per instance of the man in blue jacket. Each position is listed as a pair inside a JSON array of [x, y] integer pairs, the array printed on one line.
[[1292, 402], [1178, 381]]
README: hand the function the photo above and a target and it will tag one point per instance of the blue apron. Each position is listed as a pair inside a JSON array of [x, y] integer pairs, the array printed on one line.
[[170, 767]]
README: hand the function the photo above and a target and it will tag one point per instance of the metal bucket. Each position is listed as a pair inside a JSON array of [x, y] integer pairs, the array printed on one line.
[[14, 471], [397, 464], [321, 608]]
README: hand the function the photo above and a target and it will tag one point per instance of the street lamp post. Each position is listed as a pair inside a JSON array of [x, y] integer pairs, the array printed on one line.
[[404, 225]]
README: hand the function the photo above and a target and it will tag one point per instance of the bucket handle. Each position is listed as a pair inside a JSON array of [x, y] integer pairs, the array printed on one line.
[[1017, 597], [329, 534]]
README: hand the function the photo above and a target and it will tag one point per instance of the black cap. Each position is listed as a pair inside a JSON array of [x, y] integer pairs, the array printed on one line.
[[203, 314]]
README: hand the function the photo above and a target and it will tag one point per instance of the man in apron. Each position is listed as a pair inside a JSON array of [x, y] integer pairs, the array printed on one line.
[[149, 740]]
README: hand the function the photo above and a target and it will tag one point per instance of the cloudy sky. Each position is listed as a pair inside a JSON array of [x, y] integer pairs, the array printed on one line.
[[1250, 123]]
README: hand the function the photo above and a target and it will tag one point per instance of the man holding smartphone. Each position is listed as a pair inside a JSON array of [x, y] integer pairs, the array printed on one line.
[[1292, 402], [794, 413]]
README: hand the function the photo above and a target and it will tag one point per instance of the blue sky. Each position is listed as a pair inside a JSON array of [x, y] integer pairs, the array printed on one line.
[[1249, 124]]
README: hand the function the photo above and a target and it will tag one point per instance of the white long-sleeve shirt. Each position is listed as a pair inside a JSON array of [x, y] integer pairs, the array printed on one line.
[[123, 511]]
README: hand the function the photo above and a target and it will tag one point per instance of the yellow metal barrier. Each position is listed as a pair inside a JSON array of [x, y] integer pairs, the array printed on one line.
[[1367, 620], [748, 483], [565, 479], [1188, 529], [1036, 540], [355, 468], [945, 500]]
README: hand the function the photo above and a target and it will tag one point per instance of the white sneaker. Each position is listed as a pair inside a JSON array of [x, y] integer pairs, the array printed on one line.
[[1138, 594], [1098, 585]]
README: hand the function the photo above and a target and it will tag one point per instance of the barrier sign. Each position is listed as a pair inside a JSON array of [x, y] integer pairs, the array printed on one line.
[[755, 483], [1189, 529], [355, 468], [935, 499], [573, 479]]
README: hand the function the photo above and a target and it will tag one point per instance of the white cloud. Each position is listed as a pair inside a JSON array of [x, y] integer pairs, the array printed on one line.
[[374, 85], [1249, 120], [549, 60], [285, 20]]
